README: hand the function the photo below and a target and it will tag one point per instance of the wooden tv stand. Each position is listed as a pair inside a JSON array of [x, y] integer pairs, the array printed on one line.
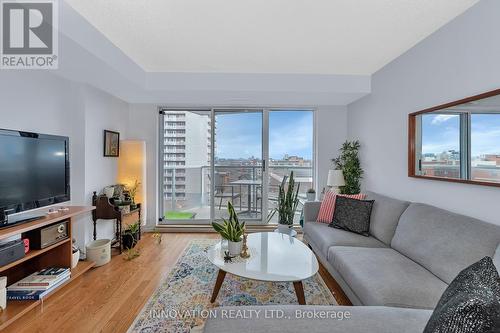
[[56, 255]]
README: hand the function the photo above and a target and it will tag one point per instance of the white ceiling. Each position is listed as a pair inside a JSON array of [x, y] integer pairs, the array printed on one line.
[[354, 37]]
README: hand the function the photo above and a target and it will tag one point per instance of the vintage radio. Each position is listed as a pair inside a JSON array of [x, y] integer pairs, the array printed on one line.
[[46, 236]]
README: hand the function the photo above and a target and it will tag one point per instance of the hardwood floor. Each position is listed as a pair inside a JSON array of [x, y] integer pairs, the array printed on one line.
[[108, 298]]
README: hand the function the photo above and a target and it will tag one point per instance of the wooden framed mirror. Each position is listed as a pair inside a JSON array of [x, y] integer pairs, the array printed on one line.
[[457, 141]]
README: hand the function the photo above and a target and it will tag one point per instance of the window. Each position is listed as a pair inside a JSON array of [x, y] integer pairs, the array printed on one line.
[[485, 147], [209, 157], [459, 141]]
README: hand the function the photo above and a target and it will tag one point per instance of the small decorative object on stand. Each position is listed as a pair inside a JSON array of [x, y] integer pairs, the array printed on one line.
[[227, 257], [244, 248], [109, 191]]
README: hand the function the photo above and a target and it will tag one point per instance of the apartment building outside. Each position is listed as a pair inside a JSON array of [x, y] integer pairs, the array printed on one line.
[[183, 166]]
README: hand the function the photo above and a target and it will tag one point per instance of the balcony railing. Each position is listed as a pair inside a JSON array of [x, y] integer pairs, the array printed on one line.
[[196, 197]]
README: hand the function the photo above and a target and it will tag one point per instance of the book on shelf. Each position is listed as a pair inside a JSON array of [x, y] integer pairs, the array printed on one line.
[[33, 295], [41, 280]]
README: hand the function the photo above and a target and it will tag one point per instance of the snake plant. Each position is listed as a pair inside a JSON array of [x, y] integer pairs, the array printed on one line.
[[288, 201], [230, 229]]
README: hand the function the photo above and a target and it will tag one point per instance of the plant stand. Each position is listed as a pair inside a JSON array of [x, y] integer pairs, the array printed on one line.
[[105, 210]]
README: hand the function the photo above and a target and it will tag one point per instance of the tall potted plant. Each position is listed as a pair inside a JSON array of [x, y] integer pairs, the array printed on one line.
[[349, 163], [288, 201], [232, 230], [130, 236]]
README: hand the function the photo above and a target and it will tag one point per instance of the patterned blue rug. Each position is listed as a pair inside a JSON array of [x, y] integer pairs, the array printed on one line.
[[182, 301]]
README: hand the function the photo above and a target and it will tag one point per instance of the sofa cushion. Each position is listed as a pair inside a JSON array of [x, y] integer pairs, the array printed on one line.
[[362, 319], [324, 237], [496, 258], [385, 277], [443, 242], [328, 204], [385, 216], [471, 303], [352, 215]]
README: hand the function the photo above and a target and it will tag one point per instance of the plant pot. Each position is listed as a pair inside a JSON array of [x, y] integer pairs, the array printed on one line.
[[74, 259], [311, 196], [284, 228], [125, 209], [129, 240], [234, 247], [99, 251]]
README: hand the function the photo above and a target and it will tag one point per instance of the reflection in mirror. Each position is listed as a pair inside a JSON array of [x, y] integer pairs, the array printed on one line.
[[439, 153], [458, 142]]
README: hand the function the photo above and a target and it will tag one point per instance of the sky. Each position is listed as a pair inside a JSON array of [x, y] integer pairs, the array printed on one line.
[[239, 135], [441, 133]]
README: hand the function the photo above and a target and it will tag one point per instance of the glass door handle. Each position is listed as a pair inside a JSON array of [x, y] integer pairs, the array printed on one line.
[[263, 165]]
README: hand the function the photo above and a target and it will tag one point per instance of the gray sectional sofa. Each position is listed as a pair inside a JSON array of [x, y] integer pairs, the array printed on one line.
[[413, 253], [398, 273]]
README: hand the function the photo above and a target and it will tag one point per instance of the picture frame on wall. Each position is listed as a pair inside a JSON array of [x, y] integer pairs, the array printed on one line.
[[111, 144]]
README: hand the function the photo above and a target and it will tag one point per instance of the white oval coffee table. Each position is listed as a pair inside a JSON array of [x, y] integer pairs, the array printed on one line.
[[274, 257]]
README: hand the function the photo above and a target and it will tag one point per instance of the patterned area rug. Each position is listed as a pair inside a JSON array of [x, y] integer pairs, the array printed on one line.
[[182, 301]]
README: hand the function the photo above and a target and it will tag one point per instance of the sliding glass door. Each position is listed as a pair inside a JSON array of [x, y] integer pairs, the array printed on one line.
[[209, 157], [291, 149], [185, 160], [238, 163]]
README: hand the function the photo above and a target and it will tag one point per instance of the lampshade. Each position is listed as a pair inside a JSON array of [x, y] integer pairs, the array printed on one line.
[[335, 178]]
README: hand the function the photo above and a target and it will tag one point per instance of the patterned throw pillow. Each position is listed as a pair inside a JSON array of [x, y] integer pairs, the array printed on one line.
[[353, 215], [471, 303], [328, 205]]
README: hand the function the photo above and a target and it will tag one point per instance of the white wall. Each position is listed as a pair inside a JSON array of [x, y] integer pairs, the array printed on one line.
[[38, 101], [102, 111], [331, 132], [143, 125], [459, 60]]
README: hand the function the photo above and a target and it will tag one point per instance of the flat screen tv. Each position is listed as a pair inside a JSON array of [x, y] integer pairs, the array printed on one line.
[[34, 172]]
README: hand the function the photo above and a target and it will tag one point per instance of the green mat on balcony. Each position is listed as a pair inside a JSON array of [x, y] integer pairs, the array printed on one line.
[[179, 215]]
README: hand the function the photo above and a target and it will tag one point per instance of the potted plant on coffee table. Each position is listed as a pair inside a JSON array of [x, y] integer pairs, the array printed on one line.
[[232, 230], [288, 200]]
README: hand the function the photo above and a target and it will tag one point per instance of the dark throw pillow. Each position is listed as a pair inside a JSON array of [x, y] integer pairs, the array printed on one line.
[[352, 215], [471, 303]]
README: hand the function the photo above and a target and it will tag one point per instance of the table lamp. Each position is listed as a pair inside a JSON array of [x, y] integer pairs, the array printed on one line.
[[335, 180]]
